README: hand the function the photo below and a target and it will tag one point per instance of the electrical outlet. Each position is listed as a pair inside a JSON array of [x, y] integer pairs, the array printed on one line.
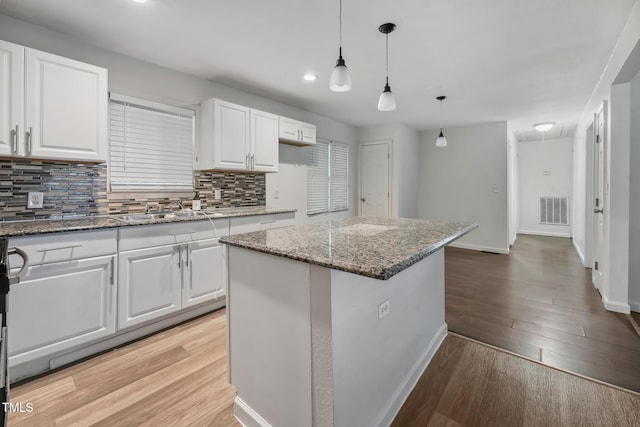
[[384, 308], [276, 194], [217, 194], [34, 199]]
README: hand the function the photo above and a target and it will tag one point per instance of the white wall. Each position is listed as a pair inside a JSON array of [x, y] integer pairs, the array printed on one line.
[[459, 183], [634, 202], [545, 169], [133, 77], [622, 67], [404, 166]]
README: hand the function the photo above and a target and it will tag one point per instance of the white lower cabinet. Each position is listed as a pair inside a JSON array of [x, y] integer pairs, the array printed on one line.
[[149, 284], [202, 278], [61, 305]]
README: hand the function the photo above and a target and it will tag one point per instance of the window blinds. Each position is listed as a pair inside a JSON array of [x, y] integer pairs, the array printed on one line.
[[151, 146], [328, 178]]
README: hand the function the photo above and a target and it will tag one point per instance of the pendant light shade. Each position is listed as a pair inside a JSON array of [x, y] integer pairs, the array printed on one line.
[[441, 141], [340, 80], [387, 102]]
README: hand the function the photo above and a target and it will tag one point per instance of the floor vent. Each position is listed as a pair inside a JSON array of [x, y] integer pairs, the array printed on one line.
[[554, 210]]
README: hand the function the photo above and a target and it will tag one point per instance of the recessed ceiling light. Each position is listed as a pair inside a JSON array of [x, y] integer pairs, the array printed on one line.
[[310, 77], [140, 1], [543, 127]]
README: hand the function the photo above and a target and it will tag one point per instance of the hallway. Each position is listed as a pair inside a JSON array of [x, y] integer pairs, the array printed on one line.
[[539, 302]]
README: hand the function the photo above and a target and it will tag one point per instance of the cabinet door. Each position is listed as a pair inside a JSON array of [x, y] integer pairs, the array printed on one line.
[[230, 136], [307, 133], [203, 272], [11, 97], [288, 129], [66, 108], [264, 141], [61, 305], [149, 284]]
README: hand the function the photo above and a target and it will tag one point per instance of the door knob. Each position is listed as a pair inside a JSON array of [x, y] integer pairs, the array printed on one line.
[[363, 200], [598, 211]]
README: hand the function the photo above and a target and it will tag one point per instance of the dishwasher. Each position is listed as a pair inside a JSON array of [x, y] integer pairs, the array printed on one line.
[[6, 280]]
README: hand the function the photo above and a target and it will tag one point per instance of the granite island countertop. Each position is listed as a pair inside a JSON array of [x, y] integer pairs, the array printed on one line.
[[45, 226], [368, 246]]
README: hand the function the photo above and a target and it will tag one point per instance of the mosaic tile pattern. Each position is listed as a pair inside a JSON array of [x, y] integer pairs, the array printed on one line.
[[77, 190], [69, 189]]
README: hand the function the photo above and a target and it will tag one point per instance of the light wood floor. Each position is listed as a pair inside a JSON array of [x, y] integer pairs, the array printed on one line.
[[539, 302], [178, 378]]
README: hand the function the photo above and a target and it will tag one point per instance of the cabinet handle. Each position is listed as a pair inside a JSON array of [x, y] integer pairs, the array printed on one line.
[[28, 137], [253, 162], [179, 256], [112, 267], [301, 134], [186, 251], [246, 161], [298, 134], [14, 139]]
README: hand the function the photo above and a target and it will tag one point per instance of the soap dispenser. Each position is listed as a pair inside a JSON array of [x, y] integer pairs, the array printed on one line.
[[195, 203]]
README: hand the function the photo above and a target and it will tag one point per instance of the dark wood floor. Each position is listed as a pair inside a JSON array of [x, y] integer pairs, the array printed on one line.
[[539, 302], [471, 384]]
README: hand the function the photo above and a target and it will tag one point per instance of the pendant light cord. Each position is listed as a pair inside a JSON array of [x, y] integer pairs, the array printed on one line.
[[387, 55], [340, 42], [441, 115]]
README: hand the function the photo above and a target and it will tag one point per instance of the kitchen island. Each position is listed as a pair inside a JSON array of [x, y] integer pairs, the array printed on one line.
[[332, 324]]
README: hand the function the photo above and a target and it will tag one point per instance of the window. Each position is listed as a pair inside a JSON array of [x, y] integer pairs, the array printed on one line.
[[151, 146], [328, 178]]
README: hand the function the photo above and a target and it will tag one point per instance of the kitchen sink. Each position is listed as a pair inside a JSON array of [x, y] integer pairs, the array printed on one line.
[[142, 217]]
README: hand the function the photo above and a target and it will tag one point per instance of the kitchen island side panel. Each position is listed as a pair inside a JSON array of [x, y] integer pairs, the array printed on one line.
[[270, 338], [377, 361]]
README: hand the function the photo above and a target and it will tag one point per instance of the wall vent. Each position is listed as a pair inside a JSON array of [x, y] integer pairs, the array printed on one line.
[[554, 210]]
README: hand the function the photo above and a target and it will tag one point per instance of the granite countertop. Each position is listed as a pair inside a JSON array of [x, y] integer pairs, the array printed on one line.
[[368, 246], [44, 226]]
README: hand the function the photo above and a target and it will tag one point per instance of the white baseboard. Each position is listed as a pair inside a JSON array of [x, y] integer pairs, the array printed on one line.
[[618, 307], [544, 233], [393, 406], [513, 241], [580, 254], [479, 248], [635, 306], [246, 415]]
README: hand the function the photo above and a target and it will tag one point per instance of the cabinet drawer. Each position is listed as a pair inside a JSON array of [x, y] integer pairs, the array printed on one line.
[[147, 236], [56, 247], [248, 224]]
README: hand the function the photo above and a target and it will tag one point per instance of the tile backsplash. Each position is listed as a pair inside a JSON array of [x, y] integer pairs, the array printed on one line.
[[74, 189]]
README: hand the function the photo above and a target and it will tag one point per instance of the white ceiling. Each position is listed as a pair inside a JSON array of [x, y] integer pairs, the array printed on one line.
[[519, 60]]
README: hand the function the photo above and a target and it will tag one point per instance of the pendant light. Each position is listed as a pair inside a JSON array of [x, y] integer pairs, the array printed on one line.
[[441, 141], [387, 101], [340, 80]]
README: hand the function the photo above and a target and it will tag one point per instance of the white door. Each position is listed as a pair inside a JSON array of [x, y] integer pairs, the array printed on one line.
[[599, 195], [61, 305], [202, 272], [375, 191], [264, 142], [11, 97], [66, 108], [150, 284], [231, 124]]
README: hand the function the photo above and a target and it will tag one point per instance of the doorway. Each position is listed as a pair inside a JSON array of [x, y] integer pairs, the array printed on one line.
[[599, 195], [375, 179]]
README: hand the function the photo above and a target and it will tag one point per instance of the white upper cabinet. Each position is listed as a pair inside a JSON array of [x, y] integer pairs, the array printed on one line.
[[233, 137], [51, 107], [66, 108], [264, 141], [296, 132], [11, 97]]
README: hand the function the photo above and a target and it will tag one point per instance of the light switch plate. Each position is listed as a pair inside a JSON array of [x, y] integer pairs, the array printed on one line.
[[35, 200], [217, 194]]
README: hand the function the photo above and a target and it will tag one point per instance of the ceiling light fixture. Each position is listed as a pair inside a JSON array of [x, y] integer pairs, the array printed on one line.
[[310, 77], [543, 127], [340, 80], [140, 1], [387, 101], [441, 141]]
